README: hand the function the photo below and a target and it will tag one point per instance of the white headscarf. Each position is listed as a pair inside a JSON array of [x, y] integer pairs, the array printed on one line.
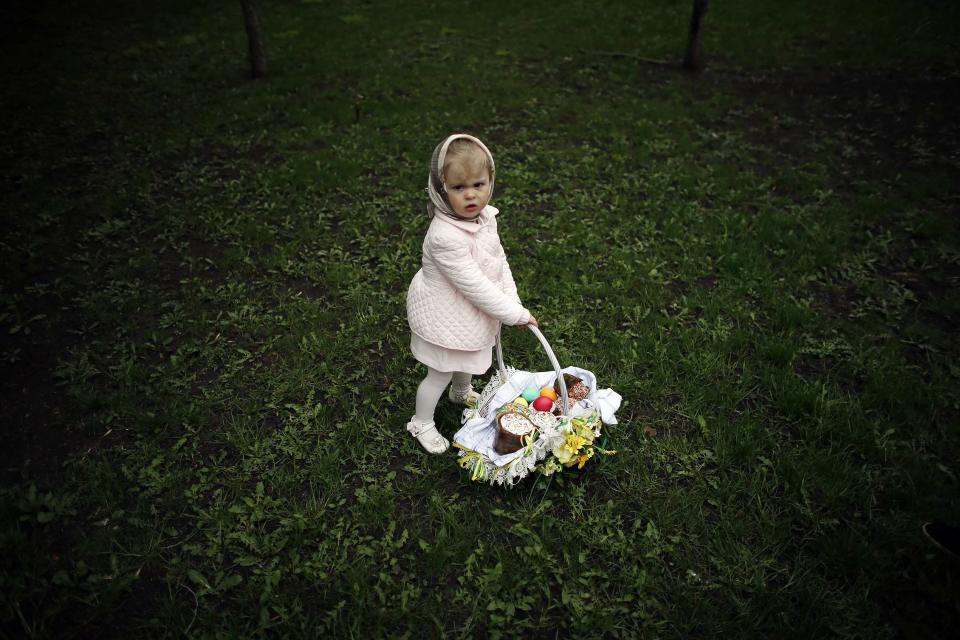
[[436, 188]]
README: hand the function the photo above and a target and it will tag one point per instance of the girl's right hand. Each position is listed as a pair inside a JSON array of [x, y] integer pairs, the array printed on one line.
[[533, 321]]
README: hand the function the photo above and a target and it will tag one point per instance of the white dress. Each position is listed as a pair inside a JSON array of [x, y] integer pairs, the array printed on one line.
[[444, 359]]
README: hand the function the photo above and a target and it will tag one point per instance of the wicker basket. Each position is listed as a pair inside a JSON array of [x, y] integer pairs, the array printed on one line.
[[524, 452]]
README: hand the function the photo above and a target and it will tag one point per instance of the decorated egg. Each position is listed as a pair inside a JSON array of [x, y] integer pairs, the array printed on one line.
[[521, 402], [547, 392], [531, 393], [543, 404]]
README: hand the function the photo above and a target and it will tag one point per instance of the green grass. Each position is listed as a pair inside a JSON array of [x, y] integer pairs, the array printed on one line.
[[205, 354]]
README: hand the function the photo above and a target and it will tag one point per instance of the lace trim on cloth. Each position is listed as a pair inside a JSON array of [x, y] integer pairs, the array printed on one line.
[[482, 468], [482, 408]]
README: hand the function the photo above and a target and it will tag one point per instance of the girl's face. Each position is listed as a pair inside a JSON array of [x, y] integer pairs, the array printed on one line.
[[468, 189]]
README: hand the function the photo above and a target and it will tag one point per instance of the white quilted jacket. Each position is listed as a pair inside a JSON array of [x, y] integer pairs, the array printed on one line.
[[464, 289]]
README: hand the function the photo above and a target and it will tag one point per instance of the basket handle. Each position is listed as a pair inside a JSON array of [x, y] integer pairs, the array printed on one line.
[[550, 356]]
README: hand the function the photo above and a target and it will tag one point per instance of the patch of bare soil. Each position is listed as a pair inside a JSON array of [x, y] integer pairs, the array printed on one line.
[[886, 122], [35, 411]]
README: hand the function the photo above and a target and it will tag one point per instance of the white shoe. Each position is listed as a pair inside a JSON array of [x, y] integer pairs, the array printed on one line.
[[463, 395], [427, 435]]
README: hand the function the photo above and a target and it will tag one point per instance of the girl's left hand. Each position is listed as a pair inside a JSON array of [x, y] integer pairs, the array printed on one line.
[[533, 321]]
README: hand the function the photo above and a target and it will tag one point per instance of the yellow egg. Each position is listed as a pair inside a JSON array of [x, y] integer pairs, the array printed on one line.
[[521, 401], [547, 392]]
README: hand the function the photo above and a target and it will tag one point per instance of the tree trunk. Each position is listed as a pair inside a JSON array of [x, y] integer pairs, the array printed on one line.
[[691, 59], [251, 19]]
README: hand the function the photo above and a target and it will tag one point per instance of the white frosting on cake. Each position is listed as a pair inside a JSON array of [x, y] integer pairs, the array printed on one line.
[[516, 424]]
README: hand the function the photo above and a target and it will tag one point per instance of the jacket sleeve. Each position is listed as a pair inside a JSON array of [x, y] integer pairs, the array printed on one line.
[[459, 267]]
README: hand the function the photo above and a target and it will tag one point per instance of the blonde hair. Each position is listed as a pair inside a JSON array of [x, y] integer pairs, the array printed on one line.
[[466, 153]]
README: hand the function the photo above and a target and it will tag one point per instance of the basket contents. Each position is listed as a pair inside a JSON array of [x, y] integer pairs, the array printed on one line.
[[578, 445], [530, 394], [548, 392], [576, 388], [543, 403], [512, 428], [503, 439], [536, 399], [521, 424], [516, 426]]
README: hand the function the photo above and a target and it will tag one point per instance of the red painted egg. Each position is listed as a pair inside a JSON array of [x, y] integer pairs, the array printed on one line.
[[543, 403]]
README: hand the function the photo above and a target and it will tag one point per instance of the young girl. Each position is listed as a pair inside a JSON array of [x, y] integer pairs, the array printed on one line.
[[464, 290]]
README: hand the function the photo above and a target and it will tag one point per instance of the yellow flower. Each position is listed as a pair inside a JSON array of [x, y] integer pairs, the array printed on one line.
[[583, 428], [583, 458], [567, 452], [564, 455]]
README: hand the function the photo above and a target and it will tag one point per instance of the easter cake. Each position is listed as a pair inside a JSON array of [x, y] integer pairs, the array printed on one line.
[[511, 429], [514, 426]]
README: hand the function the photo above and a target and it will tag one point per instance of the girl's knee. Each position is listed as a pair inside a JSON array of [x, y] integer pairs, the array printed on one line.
[[438, 377]]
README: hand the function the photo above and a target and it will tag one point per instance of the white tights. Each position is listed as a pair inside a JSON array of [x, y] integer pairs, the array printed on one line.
[[430, 390]]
